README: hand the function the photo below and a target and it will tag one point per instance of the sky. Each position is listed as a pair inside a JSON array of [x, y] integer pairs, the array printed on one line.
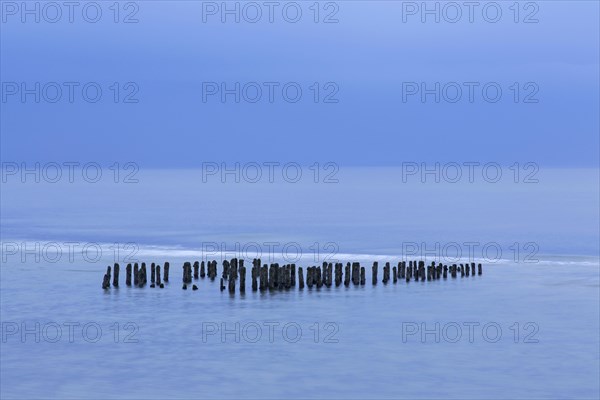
[[362, 69]]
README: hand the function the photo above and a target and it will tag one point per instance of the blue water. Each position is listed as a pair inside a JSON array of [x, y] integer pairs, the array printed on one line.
[[170, 342]]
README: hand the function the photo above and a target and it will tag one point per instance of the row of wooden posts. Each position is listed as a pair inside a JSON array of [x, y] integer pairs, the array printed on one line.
[[276, 277]]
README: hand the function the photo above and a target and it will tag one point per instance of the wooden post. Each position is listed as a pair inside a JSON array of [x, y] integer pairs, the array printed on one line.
[[415, 270], [128, 274], [152, 273], [395, 274], [479, 271], [347, 276], [386, 273], [300, 279], [106, 280], [356, 273], [293, 275], [242, 277], [264, 278], [116, 275], [136, 275], [202, 271], [196, 269], [143, 276], [254, 275], [363, 278], [375, 273], [158, 275], [319, 278], [166, 272]]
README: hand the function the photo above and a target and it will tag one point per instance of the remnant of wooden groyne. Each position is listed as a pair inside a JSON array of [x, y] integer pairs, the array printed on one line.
[[275, 277]]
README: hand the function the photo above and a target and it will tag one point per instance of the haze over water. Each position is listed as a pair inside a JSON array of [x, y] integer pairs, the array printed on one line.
[[527, 327]]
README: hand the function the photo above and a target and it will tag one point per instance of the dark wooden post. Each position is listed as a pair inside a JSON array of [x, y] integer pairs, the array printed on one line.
[[319, 278], [106, 280], [300, 279], [128, 274], [196, 269], [347, 275], [158, 283], [166, 272], [479, 271], [375, 265], [136, 275], [143, 276], [356, 273], [116, 275], [363, 278], [293, 275], [242, 277]]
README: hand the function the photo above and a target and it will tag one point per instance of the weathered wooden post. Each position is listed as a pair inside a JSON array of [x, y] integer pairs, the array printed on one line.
[[363, 278], [194, 287], [338, 274], [128, 274], [225, 272], [375, 273], [166, 272], [347, 275], [300, 279], [242, 277], [395, 274], [116, 275], [213, 270], [356, 273], [415, 270], [196, 269], [158, 276], [106, 279], [254, 275], [202, 270], [272, 276], [264, 278], [293, 275], [143, 276], [479, 271], [445, 272], [152, 274], [185, 272], [288, 276], [135, 274], [319, 278], [386, 273]]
